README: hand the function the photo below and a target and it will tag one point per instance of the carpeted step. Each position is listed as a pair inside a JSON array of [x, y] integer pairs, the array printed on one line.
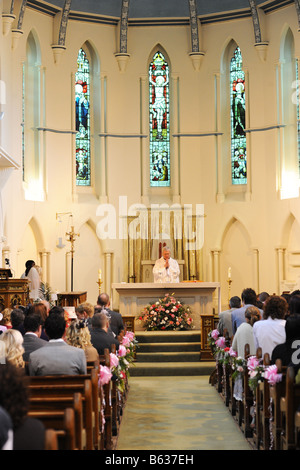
[[169, 353], [168, 347], [185, 356], [171, 369], [186, 336]]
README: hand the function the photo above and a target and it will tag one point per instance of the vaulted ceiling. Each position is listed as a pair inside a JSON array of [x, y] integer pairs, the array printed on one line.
[[150, 9]]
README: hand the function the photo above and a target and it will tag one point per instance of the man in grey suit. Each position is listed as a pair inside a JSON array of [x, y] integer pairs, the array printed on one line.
[[57, 357], [32, 337]]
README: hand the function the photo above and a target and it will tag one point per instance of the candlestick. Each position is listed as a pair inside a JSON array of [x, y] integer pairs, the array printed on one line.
[[71, 238]]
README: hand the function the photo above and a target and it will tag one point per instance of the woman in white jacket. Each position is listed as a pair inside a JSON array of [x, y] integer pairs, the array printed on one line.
[[244, 333]]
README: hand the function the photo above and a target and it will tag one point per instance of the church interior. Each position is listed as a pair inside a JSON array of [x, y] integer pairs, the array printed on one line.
[[129, 125]]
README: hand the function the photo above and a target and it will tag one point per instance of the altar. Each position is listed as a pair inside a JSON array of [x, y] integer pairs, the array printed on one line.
[[199, 296]]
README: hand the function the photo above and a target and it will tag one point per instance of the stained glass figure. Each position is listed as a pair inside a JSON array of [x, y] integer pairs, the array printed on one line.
[[238, 120], [82, 108], [159, 121]]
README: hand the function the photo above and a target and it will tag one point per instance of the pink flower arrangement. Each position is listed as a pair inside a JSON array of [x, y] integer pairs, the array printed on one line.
[[232, 352], [221, 342], [215, 334], [166, 314], [105, 375], [114, 360], [122, 351], [252, 363], [272, 376]]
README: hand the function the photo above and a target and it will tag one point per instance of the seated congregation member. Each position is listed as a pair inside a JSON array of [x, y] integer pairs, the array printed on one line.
[[2, 327], [6, 320], [294, 305], [42, 309], [244, 333], [285, 351], [78, 335], [32, 337], [85, 311], [261, 298], [13, 347], [270, 331], [116, 320], [28, 432], [225, 320], [6, 430], [100, 338], [17, 320], [57, 357], [248, 300]]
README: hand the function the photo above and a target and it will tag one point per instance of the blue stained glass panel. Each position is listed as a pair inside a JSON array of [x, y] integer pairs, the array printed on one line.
[[82, 111], [238, 120], [159, 121]]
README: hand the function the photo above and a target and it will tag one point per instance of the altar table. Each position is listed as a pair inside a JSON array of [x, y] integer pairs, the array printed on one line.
[[199, 296]]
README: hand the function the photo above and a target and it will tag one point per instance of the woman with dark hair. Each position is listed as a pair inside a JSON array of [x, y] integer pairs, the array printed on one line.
[[294, 305], [271, 330], [33, 277], [285, 350], [28, 433]]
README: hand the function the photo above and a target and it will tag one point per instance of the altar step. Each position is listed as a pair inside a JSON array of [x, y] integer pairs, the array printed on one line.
[[163, 353]]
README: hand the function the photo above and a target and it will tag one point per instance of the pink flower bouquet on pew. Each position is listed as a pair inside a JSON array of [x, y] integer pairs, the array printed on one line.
[[121, 362]]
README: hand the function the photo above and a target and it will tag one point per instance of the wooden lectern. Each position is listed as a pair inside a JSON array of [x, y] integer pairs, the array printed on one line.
[[71, 299], [13, 292]]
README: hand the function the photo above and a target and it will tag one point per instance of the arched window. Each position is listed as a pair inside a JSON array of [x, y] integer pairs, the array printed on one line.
[[238, 119], [159, 121], [82, 113]]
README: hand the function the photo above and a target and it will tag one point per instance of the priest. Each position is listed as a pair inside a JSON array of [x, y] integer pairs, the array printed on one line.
[[166, 269]]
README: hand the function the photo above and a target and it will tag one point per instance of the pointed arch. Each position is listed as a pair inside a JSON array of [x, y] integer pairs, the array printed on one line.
[[290, 136], [159, 117], [32, 154]]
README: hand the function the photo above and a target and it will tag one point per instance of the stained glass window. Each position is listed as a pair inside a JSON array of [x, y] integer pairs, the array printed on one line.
[[82, 106], [238, 120], [159, 121]]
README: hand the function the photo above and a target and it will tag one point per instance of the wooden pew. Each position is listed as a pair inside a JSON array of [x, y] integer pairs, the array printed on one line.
[[246, 405], [288, 408], [276, 392], [263, 390], [297, 430], [106, 399], [114, 401], [50, 403], [51, 441], [62, 422], [87, 385], [257, 428]]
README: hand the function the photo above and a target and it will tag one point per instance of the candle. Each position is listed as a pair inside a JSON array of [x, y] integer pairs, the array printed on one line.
[[99, 274], [229, 273]]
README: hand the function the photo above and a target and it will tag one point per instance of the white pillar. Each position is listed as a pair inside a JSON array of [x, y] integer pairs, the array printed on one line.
[[108, 271]]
